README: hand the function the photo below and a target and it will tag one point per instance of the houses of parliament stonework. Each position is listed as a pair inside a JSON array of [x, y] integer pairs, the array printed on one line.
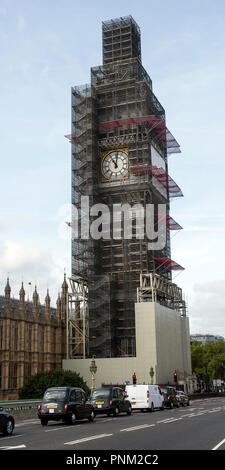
[[32, 338]]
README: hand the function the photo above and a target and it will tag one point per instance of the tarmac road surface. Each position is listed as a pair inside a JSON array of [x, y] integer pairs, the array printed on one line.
[[200, 426]]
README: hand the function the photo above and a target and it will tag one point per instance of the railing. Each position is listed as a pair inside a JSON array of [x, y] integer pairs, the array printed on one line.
[[21, 408]]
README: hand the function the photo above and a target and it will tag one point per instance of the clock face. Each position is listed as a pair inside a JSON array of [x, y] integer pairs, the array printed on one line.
[[115, 165]]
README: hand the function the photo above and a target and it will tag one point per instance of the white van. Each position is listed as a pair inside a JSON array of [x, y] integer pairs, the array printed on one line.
[[145, 397]]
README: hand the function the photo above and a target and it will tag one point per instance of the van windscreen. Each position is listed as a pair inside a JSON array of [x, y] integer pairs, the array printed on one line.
[[164, 390]]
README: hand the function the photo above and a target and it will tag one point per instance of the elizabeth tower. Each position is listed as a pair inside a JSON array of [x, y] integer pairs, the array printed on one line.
[[120, 146]]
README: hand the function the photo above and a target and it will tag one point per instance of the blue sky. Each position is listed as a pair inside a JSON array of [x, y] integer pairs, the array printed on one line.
[[49, 46]]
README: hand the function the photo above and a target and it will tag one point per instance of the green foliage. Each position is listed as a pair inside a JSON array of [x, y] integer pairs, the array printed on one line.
[[208, 359], [36, 385]]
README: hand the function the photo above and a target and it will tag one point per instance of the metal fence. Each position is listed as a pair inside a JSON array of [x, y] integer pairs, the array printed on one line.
[[21, 408]]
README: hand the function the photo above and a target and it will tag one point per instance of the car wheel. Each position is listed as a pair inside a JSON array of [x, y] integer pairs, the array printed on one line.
[[73, 418], [129, 410], [44, 421], [91, 417], [116, 411], [9, 428]]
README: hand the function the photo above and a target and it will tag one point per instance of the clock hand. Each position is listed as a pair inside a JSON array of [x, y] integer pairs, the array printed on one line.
[[115, 163]]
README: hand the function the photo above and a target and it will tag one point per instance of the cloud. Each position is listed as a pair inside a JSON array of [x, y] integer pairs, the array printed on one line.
[[15, 256], [24, 262], [196, 228], [212, 288], [208, 308]]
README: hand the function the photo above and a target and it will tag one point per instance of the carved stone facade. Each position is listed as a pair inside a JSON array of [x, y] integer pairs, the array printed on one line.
[[32, 338]]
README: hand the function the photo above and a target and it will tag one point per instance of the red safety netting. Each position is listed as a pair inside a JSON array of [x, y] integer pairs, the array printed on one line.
[[169, 263], [163, 177], [69, 137], [157, 124], [169, 221]]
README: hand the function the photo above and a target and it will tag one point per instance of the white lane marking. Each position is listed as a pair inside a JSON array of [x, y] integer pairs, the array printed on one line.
[[25, 424], [102, 420], [110, 419], [136, 428], [218, 408], [13, 447], [85, 439], [165, 420], [10, 437], [219, 445], [172, 420], [213, 411], [183, 416], [188, 408], [63, 427]]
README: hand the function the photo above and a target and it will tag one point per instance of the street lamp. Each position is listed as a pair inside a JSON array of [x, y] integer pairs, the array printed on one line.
[[151, 373], [93, 370]]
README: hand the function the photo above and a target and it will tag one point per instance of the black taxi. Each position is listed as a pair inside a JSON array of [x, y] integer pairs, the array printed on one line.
[[65, 403], [110, 400]]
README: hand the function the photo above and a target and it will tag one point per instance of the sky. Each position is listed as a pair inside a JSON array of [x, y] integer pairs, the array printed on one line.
[[48, 46]]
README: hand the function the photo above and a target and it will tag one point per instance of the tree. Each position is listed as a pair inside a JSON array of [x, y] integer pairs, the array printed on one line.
[[208, 360], [36, 385]]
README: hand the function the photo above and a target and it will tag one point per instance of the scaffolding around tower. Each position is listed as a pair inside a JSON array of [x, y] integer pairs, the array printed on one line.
[[117, 111], [155, 288], [121, 38], [77, 319]]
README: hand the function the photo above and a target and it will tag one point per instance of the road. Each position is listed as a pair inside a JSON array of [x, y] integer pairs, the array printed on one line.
[[201, 426]]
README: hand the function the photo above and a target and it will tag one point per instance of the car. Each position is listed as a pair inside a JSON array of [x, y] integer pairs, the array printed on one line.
[[65, 403], [7, 422], [110, 400], [170, 399], [182, 398]]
